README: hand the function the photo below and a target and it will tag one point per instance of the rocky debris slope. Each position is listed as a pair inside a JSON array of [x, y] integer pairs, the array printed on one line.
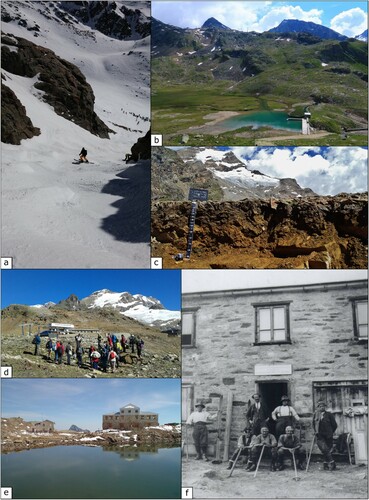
[[58, 82], [17, 436], [321, 232]]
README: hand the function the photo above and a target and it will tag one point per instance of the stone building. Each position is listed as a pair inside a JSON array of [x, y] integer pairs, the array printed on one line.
[[128, 417], [44, 426], [308, 342]]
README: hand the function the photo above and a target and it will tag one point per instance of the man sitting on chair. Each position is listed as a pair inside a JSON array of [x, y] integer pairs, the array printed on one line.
[[270, 448]]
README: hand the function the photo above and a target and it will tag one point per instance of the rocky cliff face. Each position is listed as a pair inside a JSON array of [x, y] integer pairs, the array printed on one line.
[[116, 21], [59, 83], [15, 124], [320, 232]]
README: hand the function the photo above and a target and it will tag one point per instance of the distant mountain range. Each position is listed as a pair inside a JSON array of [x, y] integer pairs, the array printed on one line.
[[75, 428], [296, 26], [363, 37], [220, 172], [147, 310], [289, 26]]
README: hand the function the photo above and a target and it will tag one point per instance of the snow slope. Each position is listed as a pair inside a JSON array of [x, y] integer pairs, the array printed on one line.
[[53, 211]]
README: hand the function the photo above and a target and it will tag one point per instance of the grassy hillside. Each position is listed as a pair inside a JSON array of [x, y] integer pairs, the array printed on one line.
[[212, 71]]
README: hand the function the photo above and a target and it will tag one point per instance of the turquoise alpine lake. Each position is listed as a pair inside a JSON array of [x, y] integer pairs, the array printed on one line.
[[93, 472], [273, 119]]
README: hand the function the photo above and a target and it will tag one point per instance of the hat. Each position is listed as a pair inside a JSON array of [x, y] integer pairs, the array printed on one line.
[[200, 404], [319, 403], [285, 398], [256, 394]]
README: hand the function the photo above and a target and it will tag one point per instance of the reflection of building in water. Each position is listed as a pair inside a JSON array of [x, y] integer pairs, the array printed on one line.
[[129, 417], [130, 453]]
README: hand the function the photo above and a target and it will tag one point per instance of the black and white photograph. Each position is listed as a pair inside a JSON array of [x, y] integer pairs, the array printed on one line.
[[274, 383]]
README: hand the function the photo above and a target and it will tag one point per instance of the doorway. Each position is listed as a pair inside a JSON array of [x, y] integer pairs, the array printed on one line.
[[271, 393]]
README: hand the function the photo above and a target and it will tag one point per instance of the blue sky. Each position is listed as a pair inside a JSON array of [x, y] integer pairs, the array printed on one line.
[[83, 402], [35, 286], [348, 18]]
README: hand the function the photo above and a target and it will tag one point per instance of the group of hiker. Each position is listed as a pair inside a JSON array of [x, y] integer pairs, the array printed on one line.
[[257, 441], [108, 353]]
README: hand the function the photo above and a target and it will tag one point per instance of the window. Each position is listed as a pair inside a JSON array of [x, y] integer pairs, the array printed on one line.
[[188, 328], [360, 310], [272, 323]]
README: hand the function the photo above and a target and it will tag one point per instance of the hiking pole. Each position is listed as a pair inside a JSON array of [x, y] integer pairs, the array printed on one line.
[[261, 454], [296, 478], [235, 461], [311, 450]]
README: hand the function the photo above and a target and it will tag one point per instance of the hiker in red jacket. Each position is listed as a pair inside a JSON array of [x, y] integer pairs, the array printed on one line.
[[112, 358]]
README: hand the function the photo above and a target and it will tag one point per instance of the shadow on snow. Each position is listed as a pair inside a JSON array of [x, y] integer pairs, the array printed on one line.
[[131, 223]]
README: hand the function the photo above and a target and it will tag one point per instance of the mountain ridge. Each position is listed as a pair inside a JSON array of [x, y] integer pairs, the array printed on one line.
[[146, 310], [224, 175]]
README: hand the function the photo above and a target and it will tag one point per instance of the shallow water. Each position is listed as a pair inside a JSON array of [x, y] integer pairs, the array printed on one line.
[[274, 119], [93, 472]]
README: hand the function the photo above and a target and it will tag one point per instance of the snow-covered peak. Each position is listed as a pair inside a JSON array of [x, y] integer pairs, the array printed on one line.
[[147, 310]]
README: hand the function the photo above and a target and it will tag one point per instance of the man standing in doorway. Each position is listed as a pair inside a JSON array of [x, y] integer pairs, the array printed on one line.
[[284, 415], [324, 426], [199, 418], [256, 415]]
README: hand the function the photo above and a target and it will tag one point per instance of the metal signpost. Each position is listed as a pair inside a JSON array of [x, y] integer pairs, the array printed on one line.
[[194, 196]]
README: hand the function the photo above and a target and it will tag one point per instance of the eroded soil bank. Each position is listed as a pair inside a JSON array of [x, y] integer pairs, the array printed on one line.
[[322, 232]]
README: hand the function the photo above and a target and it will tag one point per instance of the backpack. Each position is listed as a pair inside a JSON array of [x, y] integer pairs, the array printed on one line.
[[112, 355], [49, 344], [34, 340]]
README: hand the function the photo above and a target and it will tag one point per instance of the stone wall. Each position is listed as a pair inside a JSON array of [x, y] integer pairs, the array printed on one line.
[[322, 348]]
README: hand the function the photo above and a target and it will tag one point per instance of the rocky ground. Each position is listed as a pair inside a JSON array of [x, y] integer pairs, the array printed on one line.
[[161, 354], [212, 481], [319, 232], [16, 436], [152, 364]]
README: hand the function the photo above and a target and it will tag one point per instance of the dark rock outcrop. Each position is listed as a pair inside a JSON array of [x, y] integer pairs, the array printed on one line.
[[141, 150], [15, 124], [116, 21], [63, 85]]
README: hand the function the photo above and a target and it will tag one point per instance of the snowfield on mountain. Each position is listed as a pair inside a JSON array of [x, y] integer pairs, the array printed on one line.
[[57, 213]]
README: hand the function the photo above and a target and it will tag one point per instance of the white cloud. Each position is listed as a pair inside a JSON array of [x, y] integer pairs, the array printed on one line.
[[328, 171], [277, 14], [234, 14], [350, 22]]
